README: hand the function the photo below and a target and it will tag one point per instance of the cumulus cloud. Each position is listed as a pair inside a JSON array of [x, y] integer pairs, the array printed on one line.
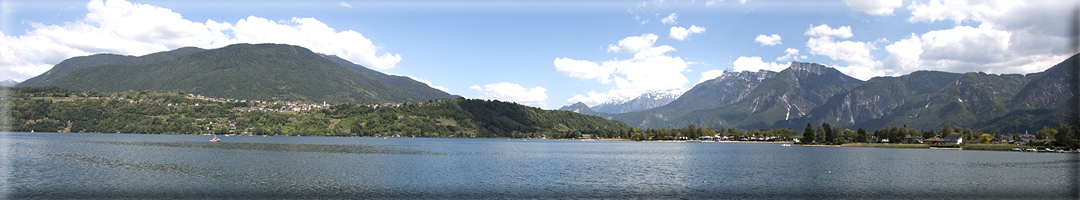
[[824, 30], [709, 75], [584, 69], [856, 54], [428, 82], [122, 27], [755, 64], [768, 40], [649, 69], [875, 7], [1012, 37], [503, 91], [670, 19], [964, 49], [343, 4], [789, 53], [711, 2], [680, 33], [743, 1]]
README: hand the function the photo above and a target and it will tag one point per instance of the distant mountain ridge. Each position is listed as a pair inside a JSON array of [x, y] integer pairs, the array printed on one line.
[[240, 71], [581, 108], [813, 93], [645, 101], [9, 83]]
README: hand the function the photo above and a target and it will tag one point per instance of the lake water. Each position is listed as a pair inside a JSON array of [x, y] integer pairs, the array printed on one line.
[[75, 165]]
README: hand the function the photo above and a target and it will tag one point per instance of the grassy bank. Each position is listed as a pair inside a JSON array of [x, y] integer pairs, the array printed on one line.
[[991, 147], [883, 145]]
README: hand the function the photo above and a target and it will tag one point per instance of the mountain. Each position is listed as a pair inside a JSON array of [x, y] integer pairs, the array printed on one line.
[[720, 91], [405, 83], [72, 64], [645, 101], [790, 94], [1007, 103], [581, 108], [241, 71], [9, 83], [749, 99], [812, 93]]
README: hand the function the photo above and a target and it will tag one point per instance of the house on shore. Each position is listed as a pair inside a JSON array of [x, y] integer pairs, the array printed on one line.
[[953, 140]]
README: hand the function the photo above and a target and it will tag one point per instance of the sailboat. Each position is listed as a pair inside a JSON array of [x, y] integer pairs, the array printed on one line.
[[215, 139]]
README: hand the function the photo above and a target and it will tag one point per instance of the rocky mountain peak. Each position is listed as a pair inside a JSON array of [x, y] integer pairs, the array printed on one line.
[[809, 67]]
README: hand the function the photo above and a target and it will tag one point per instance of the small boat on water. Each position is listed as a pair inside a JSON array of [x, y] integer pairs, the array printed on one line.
[[215, 139], [786, 145], [1017, 149]]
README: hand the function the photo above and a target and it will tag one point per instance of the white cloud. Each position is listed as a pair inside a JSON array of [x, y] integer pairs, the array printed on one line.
[[343, 4], [503, 91], [960, 10], [127, 28], [650, 69], [854, 53], [789, 54], [670, 19], [640, 45], [1012, 37], [428, 82], [965, 49], [709, 75], [857, 54], [583, 69], [768, 40], [743, 1], [755, 64], [317, 36], [680, 33], [875, 7], [823, 30], [711, 2]]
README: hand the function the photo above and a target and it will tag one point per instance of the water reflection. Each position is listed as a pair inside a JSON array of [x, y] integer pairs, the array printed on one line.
[[52, 165]]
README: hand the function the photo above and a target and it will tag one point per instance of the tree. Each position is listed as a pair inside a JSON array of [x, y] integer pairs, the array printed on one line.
[[968, 134], [1064, 135], [985, 138], [827, 131], [863, 136], [945, 131], [808, 134], [1046, 132]]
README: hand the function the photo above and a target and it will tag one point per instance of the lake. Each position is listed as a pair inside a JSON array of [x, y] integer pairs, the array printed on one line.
[[80, 165]]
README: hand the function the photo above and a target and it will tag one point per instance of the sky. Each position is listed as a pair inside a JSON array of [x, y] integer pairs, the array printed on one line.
[[551, 53]]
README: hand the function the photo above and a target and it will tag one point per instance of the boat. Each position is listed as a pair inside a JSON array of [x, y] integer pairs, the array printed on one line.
[[1017, 149], [215, 139], [786, 145]]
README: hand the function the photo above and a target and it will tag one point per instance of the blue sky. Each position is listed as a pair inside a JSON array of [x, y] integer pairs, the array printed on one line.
[[554, 53]]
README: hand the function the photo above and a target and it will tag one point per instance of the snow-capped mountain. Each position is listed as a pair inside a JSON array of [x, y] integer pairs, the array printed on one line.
[[9, 83], [647, 100]]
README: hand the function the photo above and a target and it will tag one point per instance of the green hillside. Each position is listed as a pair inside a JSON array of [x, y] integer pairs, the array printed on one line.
[[49, 109], [241, 71], [72, 64], [402, 82], [581, 108]]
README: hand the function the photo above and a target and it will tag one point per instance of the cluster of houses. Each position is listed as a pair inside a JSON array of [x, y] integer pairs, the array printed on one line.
[[719, 137], [382, 105], [287, 106]]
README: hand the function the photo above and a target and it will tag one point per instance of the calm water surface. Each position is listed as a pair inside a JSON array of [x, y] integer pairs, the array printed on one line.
[[73, 165]]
